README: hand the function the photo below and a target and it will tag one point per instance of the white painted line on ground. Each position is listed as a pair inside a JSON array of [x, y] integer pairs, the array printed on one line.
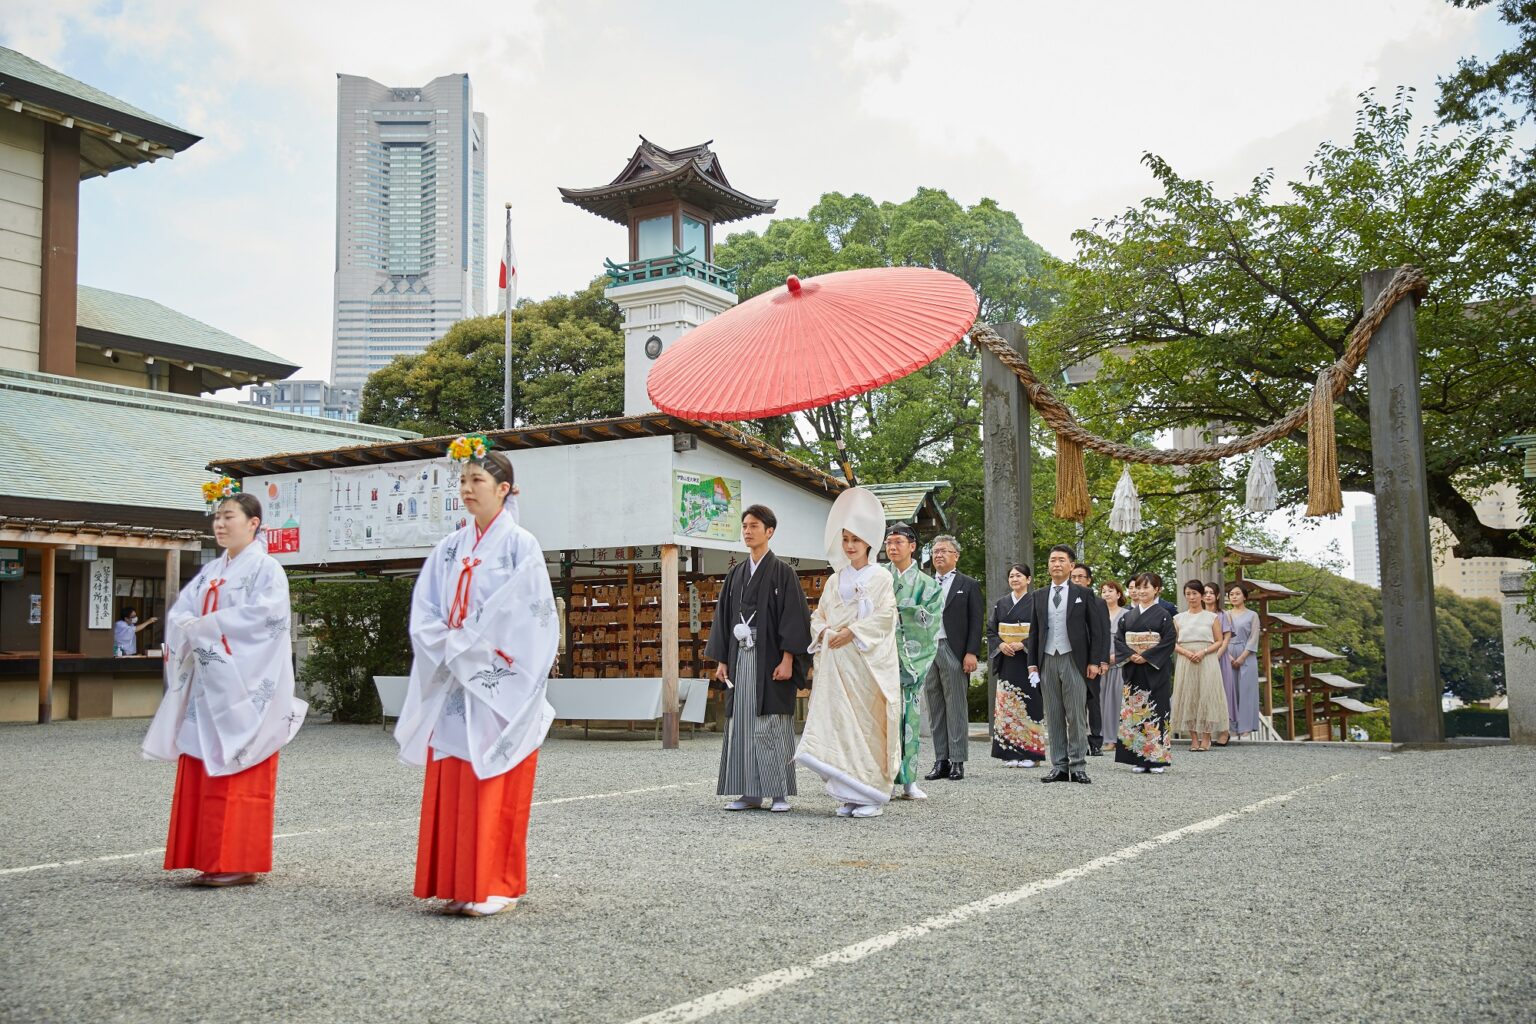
[[727, 998], [342, 828]]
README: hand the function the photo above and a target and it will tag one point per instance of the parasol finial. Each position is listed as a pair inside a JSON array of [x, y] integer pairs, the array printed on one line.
[[793, 284]]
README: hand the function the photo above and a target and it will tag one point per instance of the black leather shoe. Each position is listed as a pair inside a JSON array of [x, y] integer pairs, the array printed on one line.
[[1096, 750], [1054, 775], [940, 771], [957, 771], [1080, 777]]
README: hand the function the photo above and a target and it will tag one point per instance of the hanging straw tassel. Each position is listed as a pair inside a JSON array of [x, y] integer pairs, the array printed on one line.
[[1072, 501], [1324, 497], [1126, 514], [1263, 493]]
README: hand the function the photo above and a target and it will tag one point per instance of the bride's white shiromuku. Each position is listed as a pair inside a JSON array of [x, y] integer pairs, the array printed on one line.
[[484, 631], [852, 736], [229, 697]]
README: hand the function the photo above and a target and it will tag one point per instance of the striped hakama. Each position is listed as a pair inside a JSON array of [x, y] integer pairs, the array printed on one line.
[[756, 758]]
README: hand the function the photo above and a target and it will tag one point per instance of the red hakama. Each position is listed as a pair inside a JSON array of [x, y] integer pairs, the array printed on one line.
[[474, 832], [222, 823]]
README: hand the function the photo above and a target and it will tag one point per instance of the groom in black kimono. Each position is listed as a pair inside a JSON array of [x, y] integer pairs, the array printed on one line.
[[760, 634]]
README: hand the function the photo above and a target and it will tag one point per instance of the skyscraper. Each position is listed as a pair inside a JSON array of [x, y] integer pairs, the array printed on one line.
[[410, 219], [1367, 558]]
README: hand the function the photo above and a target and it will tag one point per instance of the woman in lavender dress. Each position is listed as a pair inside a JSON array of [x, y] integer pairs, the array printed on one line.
[[1241, 659], [1212, 599]]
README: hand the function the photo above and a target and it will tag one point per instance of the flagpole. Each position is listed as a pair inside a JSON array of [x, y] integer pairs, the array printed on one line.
[[506, 377]]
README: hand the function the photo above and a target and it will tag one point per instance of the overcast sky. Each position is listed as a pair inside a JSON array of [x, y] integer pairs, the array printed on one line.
[[1046, 108]]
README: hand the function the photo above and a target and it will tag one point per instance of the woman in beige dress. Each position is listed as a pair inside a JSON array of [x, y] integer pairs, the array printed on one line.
[[1199, 701]]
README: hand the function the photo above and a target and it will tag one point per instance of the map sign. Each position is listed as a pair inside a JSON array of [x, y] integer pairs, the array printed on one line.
[[706, 506]]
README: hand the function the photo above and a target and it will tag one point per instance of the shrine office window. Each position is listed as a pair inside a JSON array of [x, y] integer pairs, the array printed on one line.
[[695, 238], [655, 237]]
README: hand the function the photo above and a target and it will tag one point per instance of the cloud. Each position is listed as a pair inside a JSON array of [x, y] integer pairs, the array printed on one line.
[[1046, 108]]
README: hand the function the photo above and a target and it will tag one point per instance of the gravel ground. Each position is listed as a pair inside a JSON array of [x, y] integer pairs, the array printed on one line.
[[1386, 887]]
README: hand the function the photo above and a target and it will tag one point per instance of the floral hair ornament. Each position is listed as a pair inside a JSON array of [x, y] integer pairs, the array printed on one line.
[[470, 448], [215, 491]]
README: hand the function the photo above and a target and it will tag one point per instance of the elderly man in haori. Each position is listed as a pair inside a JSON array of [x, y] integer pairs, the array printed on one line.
[[852, 736], [229, 705], [919, 602], [759, 637], [484, 633]]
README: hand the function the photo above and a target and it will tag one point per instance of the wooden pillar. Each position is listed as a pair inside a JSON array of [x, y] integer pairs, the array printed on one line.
[[61, 250], [1197, 546], [671, 713], [45, 641], [1008, 529], [172, 578], [1402, 523]]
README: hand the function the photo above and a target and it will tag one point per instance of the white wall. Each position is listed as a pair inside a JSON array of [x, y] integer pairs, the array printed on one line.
[[802, 514], [21, 239], [605, 494]]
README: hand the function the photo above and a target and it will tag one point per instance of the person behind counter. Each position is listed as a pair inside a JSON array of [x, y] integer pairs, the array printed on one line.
[[125, 633]]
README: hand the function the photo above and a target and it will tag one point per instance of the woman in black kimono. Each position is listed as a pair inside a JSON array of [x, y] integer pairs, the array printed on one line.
[[1018, 709], [1147, 700]]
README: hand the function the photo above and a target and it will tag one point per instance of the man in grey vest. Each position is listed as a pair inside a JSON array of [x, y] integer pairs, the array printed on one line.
[[947, 686], [1068, 645]]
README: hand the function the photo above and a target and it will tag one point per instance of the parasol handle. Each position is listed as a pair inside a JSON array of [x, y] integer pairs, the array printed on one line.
[[842, 446]]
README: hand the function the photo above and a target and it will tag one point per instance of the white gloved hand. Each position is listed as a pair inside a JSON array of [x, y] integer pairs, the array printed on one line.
[[1034, 680]]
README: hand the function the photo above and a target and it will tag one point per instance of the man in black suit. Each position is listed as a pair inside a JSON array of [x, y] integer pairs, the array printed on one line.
[[1068, 645], [1082, 575], [949, 677]]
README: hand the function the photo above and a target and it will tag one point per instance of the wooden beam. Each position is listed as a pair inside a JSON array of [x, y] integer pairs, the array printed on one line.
[[57, 315], [45, 642], [49, 539], [671, 713]]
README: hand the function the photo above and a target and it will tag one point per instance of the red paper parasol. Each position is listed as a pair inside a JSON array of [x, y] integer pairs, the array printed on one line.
[[813, 342]]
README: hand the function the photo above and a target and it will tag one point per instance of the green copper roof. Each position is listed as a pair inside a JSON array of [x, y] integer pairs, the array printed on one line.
[[904, 501], [170, 333], [67, 439], [20, 66]]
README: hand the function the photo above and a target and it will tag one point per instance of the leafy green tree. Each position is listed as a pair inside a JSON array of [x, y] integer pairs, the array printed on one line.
[[1502, 90], [1210, 310], [927, 425], [568, 364], [356, 631]]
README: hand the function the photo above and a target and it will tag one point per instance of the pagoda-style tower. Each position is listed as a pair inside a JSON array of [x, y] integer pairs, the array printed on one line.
[[670, 200]]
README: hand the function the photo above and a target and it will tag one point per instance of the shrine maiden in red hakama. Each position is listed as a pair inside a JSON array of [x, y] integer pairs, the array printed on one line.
[[229, 702], [485, 632]]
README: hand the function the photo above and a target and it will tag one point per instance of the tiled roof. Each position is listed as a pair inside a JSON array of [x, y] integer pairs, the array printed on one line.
[[173, 334], [113, 134], [67, 439]]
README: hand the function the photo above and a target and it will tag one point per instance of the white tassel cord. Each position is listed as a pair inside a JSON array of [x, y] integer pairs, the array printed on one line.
[[1125, 516], [1263, 493]]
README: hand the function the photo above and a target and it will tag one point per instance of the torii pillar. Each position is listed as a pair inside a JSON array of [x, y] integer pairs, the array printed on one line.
[[1402, 522]]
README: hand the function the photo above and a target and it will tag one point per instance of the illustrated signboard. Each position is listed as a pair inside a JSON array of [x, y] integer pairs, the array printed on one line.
[[404, 505], [706, 506], [10, 564], [99, 594], [280, 508]]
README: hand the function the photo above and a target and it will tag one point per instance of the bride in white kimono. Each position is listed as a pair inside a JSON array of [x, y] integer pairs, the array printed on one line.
[[485, 633], [852, 735], [229, 704]]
